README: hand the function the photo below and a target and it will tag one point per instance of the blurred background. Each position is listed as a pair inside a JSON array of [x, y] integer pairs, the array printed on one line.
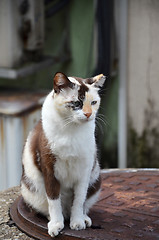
[[81, 38]]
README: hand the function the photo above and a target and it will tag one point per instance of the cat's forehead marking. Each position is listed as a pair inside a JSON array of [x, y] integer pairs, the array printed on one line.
[[82, 91], [82, 87]]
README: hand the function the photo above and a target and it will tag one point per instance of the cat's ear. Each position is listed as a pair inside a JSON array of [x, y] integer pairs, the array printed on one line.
[[99, 80], [61, 81], [96, 81]]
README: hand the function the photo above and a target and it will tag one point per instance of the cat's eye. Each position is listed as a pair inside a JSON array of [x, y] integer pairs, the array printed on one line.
[[93, 102], [77, 104]]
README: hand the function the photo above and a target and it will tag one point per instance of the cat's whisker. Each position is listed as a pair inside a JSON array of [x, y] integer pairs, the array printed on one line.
[[102, 108], [65, 125], [101, 122], [67, 121], [103, 119], [100, 127], [103, 91]]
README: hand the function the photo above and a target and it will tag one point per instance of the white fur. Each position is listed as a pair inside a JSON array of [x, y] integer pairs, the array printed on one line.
[[73, 80], [71, 138], [56, 223], [91, 201], [30, 169], [35, 199]]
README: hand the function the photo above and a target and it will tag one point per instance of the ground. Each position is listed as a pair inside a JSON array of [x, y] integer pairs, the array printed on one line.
[[8, 230]]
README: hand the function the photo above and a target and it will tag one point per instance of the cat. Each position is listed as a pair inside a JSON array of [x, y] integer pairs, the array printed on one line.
[[61, 173]]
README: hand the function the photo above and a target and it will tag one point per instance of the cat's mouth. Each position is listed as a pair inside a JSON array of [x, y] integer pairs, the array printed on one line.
[[86, 119]]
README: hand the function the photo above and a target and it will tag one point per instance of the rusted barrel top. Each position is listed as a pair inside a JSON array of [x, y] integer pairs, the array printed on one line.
[[128, 209], [18, 102]]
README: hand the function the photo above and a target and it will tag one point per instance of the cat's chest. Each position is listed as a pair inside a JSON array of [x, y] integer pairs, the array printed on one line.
[[68, 172], [72, 146], [74, 152], [72, 159]]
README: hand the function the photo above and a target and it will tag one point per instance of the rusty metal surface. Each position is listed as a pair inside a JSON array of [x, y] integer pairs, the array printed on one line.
[[128, 209], [15, 103]]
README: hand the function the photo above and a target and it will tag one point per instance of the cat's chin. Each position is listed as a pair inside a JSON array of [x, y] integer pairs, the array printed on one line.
[[83, 120]]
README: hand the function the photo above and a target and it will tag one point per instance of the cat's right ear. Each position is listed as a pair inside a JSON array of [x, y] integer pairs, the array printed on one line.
[[61, 81]]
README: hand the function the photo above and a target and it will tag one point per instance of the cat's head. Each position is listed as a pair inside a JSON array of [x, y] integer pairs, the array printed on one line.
[[77, 99]]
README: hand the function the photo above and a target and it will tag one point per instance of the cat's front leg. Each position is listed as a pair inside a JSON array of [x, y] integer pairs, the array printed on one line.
[[78, 219], [52, 186], [56, 223]]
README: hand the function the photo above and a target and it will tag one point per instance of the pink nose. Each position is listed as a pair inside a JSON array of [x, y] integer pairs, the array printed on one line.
[[87, 114]]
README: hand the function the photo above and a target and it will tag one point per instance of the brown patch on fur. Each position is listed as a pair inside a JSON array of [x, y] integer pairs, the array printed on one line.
[[83, 88], [82, 91], [80, 80], [94, 187], [89, 81], [45, 161]]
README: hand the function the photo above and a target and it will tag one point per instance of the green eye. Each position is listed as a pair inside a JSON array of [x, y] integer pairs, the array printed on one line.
[[93, 102]]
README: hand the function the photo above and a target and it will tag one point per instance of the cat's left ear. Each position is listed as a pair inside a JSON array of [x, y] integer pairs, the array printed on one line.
[[96, 81], [99, 80]]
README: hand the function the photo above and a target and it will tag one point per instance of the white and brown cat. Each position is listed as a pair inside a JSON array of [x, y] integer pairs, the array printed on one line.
[[61, 173]]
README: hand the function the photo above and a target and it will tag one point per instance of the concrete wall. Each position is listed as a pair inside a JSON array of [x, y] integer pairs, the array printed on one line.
[[143, 83], [143, 61]]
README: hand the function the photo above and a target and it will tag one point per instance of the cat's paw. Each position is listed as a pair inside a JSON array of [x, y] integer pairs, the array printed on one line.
[[54, 228], [78, 224], [88, 221]]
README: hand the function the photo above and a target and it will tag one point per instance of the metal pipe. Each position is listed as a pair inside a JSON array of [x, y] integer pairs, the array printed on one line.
[[122, 107]]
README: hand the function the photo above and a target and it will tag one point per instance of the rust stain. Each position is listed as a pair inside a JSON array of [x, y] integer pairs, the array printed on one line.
[[25, 126]]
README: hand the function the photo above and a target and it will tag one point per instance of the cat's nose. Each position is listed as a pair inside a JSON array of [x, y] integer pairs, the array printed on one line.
[[87, 114]]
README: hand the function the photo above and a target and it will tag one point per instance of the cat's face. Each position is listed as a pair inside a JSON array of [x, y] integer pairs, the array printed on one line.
[[77, 100]]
